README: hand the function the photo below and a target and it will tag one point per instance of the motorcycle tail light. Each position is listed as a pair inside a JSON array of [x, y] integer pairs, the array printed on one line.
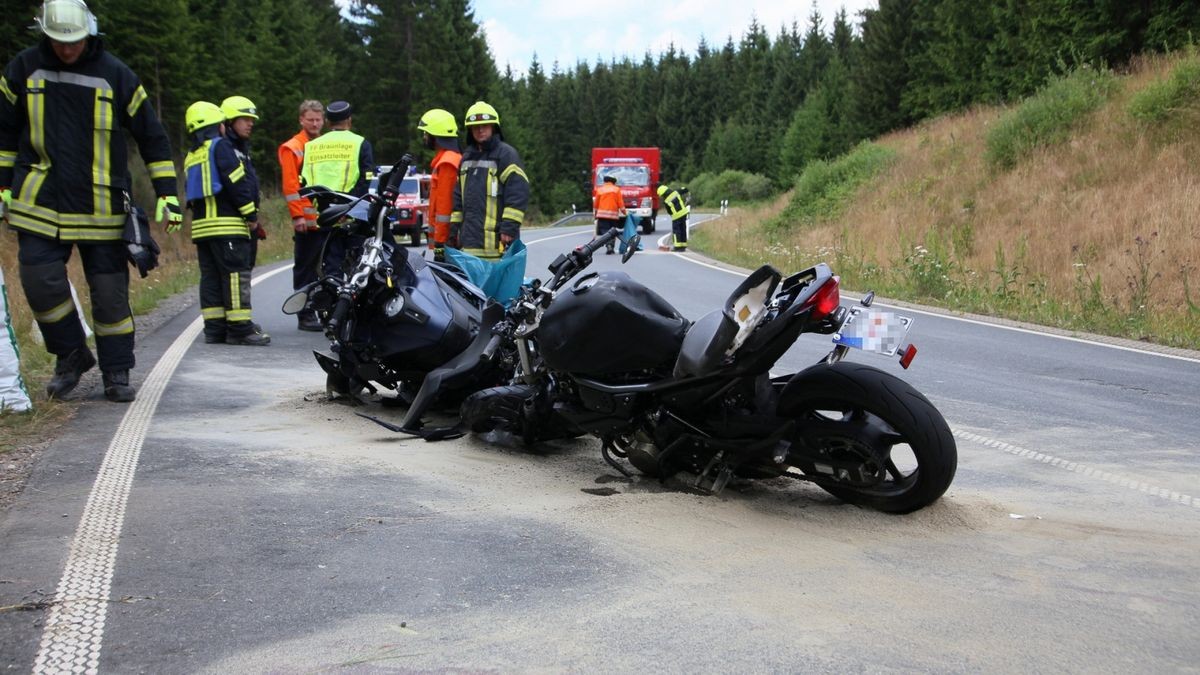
[[825, 300], [907, 354]]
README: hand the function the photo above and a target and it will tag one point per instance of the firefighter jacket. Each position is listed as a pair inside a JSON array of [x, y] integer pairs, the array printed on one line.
[[340, 160], [217, 189], [674, 204], [609, 203], [443, 174], [291, 158], [62, 143], [490, 198], [241, 148]]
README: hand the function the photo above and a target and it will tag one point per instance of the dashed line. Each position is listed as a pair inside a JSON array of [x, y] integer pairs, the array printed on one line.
[[1082, 469], [75, 624]]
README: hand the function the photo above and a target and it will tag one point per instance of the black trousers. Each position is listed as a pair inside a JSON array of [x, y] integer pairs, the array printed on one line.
[[225, 264], [679, 232], [43, 264], [605, 224], [307, 253]]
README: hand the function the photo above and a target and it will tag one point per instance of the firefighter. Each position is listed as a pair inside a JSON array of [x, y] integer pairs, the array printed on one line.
[[440, 133], [678, 210], [492, 189], [609, 207], [240, 116], [65, 179], [340, 160], [223, 216], [307, 238]]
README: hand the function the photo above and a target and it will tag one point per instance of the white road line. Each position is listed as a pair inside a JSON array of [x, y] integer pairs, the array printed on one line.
[[75, 624], [1075, 467]]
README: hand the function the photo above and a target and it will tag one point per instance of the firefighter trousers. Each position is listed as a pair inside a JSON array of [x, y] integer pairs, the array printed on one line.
[[679, 232], [43, 264], [225, 266]]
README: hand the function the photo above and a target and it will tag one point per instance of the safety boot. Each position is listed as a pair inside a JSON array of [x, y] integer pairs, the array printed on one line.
[[68, 370], [255, 338], [309, 322], [116, 386]]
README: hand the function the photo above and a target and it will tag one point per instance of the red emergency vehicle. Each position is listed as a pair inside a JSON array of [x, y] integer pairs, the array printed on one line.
[[637, 174]]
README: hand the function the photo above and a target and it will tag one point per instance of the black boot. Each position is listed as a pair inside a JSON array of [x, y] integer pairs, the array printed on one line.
[[116, 386], [309, 322], [68, 371], [255, 338]]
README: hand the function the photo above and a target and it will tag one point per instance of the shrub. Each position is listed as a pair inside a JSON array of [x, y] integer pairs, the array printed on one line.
[[737, 186], [1162, 100], [1047, 117], [824, 188]]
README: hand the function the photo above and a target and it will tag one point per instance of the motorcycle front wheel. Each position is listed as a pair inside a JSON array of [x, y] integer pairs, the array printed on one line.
[[860, 413]]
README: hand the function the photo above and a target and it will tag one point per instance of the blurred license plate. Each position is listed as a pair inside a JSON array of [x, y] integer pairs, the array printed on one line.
[[873, 330]]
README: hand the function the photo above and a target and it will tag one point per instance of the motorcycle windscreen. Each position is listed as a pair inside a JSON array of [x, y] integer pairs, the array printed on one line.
[[607, 323]]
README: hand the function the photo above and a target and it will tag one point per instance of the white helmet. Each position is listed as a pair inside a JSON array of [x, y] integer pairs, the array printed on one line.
[[66, 20]]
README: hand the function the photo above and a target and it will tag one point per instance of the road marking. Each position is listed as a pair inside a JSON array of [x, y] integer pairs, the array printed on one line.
[[75, 624], [1082, 469]]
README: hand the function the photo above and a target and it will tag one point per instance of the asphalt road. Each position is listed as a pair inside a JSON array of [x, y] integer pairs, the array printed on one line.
[[232, 520]]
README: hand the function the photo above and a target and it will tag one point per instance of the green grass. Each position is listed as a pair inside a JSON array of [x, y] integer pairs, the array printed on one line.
[[824, 189], [1048, 117], [1175, 98]]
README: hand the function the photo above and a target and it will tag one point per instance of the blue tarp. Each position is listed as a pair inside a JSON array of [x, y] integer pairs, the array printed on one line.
[[500, 280], [628, 233]]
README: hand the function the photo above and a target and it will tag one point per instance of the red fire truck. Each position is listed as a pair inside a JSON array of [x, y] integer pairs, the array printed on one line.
[[637, 173]]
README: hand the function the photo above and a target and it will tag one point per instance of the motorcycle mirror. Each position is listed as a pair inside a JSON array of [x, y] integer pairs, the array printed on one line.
[[631, 247], [296, 302]]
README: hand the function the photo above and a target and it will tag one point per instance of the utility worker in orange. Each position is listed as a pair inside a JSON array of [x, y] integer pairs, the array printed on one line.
[[678, 210], [441, 134], [307, 239], [609, 208]]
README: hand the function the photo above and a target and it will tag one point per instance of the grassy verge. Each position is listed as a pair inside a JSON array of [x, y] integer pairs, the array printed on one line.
[[177, 272]]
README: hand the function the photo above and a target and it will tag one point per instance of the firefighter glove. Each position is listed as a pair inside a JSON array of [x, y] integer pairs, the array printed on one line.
[[258, 231], [168, 208]]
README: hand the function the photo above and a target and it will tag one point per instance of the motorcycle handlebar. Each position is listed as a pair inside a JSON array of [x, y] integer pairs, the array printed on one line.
[[599, 242], [340, 310]]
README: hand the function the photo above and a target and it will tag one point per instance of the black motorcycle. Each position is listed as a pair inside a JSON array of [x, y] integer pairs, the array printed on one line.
[[394, 319], [699, 397]]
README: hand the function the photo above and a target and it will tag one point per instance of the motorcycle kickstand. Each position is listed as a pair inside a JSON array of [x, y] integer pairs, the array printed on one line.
[[604, 451], [720, 480]]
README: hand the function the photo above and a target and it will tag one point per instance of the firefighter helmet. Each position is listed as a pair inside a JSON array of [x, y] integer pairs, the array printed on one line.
[[482, 113], [662, 190], [203, 114], [438, 122], [66, 20], [238, 106]]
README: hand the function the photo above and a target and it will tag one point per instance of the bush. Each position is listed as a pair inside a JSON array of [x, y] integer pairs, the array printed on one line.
[[1047, 117], [736, 186], [1162, 100], [824, 188]]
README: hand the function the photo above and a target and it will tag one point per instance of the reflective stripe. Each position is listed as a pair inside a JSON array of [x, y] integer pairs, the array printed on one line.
[[293, 197], [513, 214], [122, 327], [310, 211], [7, 91], [228, 226], [238, 173], [236, 315], [102, 125], [36, 106], [478, 164], [235, 293], [139, 97], [512, 168], [164, 169], [456, 217], [210, 313], [89, 81], [442, 219], [246, 209], [56, 314]]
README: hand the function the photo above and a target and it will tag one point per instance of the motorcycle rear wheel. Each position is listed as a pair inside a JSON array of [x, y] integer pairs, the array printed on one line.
[[921, 458]]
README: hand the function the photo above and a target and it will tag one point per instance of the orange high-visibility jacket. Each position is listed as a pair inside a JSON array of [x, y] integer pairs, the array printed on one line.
[[443, 176], [291, 157], [609, 202]]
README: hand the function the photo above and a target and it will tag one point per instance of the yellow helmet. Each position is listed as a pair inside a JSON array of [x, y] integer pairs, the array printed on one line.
[[238, 106], [66, 20], [203, 114], [662, 190], [438, 122], [481, 113]]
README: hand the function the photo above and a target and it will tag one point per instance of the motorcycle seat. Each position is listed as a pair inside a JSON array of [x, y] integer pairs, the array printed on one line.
[[719, 333]]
